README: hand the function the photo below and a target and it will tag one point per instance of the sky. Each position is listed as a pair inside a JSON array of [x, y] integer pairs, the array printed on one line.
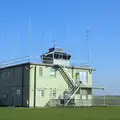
[[28, 28]]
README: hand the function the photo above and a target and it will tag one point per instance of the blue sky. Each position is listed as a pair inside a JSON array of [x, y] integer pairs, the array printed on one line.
[[67, 22]]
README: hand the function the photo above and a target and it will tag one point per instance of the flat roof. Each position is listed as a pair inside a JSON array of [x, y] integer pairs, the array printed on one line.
[[75, 67], [41, 64], [13, 65]]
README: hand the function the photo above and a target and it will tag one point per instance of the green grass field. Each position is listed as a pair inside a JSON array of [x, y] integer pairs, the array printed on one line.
[[96, 113]]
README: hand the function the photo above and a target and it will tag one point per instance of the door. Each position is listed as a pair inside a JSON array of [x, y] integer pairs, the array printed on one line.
[[84, 97], [16, 96], [13, 96]]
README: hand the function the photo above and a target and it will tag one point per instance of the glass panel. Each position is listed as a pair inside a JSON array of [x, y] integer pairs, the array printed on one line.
[[52, 93], [52, 71], [40, 92], [84, 77], [56, 56]]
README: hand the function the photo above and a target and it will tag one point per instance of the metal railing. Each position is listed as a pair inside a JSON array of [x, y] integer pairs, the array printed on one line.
[[36, 59], [106, 100], [72, 103]]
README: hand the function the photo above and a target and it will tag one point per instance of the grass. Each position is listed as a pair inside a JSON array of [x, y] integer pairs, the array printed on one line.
[[93, 113]]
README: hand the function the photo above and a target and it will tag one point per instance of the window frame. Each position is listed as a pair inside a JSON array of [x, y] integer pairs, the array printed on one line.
[[82, 76], [52, 71], [53, 93], [41, 92]]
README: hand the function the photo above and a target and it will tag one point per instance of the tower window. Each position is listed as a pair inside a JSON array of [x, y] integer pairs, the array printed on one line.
[[60, 57]]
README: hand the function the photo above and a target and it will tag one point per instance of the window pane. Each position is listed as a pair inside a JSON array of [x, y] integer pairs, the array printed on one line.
[[40, 92], [56, 56], [52, 71], [52, 93], [40, 71], [83, 77], [18, 91]]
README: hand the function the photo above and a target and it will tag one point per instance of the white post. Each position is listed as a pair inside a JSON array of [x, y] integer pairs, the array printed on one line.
[[104, 100], [53, 58]]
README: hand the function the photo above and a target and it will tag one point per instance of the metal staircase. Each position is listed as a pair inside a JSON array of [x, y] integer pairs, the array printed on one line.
[[72, 93], [70, 81]]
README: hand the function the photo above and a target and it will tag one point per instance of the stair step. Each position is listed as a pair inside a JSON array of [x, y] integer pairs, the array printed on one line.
[[72, 96], [66, 76], [67, 79]]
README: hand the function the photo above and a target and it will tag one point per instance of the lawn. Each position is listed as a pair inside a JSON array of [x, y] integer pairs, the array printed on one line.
[[93, 113]]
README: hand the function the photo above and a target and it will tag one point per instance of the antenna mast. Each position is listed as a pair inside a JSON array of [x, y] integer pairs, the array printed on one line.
[[87, 45], [54, 45], [18, 44], [29, 25], [30, 35]]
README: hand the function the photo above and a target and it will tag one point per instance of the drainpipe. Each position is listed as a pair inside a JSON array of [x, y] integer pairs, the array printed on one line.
[[22, 92], [35, 86]]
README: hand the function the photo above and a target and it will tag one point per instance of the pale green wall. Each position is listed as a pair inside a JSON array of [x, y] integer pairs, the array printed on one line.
[[46, 82], [14, 80]]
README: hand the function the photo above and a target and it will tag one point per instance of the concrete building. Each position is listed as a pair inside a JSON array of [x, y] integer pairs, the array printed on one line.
[[54, 82]]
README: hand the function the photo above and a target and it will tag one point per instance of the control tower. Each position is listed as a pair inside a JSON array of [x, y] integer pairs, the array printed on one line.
[[56, 56]]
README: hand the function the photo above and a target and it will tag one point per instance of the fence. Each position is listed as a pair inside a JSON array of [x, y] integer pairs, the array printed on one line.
[[95, 101], [106, 100]]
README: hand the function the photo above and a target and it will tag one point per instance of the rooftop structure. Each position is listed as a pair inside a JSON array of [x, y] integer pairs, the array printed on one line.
[[56, 56]]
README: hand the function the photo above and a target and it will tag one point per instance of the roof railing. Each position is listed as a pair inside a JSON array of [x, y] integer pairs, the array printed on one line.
[[37, 59]]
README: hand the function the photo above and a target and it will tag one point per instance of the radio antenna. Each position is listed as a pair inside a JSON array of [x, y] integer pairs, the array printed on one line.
[[54, 45], [30, 35], [87, 44], [29, 25]]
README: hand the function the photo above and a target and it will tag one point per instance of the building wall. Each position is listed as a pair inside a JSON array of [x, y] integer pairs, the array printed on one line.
[[84, 97], [22, 85], [14, 86], [46, 83]]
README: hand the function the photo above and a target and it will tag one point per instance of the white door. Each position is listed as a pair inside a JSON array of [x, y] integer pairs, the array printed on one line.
[[84, 97]]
